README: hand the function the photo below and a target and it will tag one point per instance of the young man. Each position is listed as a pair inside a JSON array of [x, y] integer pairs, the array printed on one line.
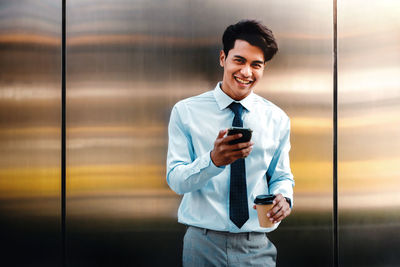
[[220, 180]]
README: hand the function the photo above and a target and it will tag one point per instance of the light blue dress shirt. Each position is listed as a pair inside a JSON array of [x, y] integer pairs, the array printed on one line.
[[193, 127]]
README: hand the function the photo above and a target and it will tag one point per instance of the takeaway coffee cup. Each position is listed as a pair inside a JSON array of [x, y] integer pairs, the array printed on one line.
[[263, 205]]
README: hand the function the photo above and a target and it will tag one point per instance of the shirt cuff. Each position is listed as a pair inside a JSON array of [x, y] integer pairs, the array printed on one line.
[[212, 163], [207, 162]]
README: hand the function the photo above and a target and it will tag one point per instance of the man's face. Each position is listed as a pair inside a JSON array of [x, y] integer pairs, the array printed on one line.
[[243, 68]]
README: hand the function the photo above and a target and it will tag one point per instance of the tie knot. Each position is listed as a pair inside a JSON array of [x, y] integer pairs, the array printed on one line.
[[237, 108]]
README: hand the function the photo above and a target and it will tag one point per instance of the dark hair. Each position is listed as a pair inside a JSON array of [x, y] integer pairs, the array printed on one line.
[[252, 32]]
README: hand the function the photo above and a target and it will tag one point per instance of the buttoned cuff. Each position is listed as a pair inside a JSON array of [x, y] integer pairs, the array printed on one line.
[[207, 162]]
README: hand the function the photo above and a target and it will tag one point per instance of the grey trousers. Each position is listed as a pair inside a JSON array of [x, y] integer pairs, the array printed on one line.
[[202, 247]]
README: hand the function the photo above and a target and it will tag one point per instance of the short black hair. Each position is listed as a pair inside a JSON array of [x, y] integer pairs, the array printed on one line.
[[252, 32]]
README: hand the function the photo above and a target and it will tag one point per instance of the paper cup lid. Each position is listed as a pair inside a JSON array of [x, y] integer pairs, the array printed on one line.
[[264, 199]]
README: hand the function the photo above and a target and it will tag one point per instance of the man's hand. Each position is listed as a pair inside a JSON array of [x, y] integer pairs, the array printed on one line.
[[280, 210], [224, 153]]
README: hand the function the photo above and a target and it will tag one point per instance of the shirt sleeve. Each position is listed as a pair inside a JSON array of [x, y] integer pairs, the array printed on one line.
[[279, 172], [186, 172]]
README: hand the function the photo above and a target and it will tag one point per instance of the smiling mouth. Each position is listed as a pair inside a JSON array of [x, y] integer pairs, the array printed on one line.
[[246, 82]]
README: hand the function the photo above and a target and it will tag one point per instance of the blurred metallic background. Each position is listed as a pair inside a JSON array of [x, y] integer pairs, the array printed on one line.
[[128, 62]]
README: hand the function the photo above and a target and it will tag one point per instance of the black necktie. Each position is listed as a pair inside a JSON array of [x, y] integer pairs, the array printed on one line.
[[238, 208]]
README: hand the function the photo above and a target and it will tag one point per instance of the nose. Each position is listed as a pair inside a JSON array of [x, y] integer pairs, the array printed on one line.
[[246, 71]]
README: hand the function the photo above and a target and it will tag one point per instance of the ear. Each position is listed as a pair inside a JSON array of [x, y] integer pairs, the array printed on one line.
[[222, 58]]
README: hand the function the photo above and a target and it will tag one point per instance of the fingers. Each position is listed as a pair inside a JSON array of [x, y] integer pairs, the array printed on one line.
[[240, 153], [240, 146], [279, 218], [222, 133], [229, 138], [224, 153], [278, 198], [235, 151], [280, 209]]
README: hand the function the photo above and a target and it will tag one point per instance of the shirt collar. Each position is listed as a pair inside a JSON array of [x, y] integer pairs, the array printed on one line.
[[223, 100]]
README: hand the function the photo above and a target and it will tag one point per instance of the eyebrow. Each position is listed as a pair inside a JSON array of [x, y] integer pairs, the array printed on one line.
[[255, 61]]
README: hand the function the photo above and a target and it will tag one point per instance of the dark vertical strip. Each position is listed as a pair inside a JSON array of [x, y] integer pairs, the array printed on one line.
[[63, 134], [335, 138]]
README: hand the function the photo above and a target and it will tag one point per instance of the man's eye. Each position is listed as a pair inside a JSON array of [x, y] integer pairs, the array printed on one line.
[[257, 66], [239, 60]]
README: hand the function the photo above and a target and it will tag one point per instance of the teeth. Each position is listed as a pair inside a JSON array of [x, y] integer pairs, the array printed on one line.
[[242, 81]]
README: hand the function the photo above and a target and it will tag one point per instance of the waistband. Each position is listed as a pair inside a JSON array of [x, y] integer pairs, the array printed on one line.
[[248, 235]]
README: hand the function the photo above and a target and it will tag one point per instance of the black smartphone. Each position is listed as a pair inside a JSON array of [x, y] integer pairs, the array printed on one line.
[[246, 134]]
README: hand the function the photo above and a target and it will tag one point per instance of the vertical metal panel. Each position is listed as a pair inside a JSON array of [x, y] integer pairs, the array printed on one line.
[[128, 63], [30, 133], [369, 133]]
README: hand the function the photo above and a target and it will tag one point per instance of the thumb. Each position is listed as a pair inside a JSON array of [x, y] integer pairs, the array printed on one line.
[[221, 133]]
